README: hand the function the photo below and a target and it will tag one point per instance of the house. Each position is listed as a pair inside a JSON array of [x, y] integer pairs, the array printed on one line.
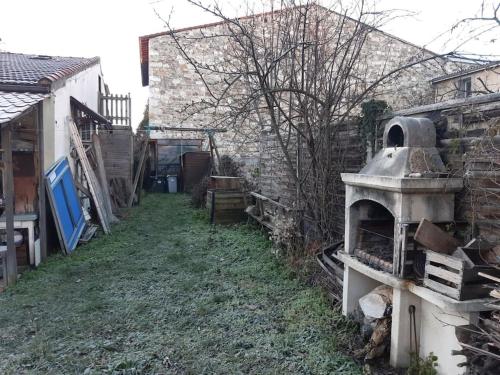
[[39, 96], [174, 85], [471, 81], [59, 79]]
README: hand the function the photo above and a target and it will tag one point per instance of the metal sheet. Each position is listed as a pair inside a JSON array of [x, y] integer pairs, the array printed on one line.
[[65, 205]]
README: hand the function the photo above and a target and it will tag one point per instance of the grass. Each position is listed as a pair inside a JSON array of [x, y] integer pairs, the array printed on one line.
[[166, 293]]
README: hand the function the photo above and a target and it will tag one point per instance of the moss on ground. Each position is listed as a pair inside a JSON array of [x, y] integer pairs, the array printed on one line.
[[166, 293]]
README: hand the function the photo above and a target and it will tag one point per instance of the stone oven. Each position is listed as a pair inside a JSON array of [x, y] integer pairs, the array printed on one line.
[[405, 182]]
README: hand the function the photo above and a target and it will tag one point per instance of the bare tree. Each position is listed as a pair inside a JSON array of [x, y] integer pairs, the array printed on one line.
[[300, 71]]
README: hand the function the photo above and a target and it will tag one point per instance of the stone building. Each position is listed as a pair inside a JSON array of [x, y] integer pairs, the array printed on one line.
[[473, 81], [174, 86]]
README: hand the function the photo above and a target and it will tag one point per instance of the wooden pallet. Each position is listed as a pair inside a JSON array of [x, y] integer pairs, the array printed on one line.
[[448, 275]]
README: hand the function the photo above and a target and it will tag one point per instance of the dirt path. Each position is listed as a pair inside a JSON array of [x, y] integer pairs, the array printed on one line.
[[168, 294]]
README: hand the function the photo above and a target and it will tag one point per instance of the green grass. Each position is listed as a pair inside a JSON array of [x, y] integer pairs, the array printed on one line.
[[166, 293]]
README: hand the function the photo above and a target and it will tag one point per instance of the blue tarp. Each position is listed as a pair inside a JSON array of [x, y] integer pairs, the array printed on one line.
[[65, 204]]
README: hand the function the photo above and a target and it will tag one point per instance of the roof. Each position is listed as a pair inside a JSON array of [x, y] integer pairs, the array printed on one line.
[[446, 105], [470, 70], [94, 116], [38, 71], [14, 104], [144, 40]]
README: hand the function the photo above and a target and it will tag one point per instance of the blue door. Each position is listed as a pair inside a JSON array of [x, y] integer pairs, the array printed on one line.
[[65, 204]]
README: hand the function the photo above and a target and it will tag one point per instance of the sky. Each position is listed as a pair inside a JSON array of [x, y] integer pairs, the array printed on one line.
[[111, 28]]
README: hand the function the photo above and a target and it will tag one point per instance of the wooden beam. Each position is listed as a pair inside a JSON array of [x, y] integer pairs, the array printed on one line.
[[101, 172], [185, 129], [138, 173], [487, 276], [141, 179], [8, 189], [82, 188], [42, 205]]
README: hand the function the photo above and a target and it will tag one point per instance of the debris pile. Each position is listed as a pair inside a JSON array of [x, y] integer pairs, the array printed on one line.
[[376, 307]]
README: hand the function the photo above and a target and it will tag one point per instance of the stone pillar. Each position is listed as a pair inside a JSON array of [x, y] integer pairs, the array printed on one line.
[[400, 329], [439, 337], [356, 285]]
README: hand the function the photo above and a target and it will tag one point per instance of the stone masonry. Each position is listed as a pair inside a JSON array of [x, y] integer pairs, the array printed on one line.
[[174, 87]]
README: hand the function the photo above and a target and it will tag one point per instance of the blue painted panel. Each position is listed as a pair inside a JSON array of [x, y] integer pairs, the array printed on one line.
[[65, 204]]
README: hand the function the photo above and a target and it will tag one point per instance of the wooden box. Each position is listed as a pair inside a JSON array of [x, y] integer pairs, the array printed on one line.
[[226, 207], [225, 183], [453, 277]]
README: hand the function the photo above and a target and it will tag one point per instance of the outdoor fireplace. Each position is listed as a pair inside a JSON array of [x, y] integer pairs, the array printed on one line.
[[375, 235], [405, 182]]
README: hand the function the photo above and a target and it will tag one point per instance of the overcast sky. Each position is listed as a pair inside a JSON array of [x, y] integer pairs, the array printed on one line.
[[110, 29]]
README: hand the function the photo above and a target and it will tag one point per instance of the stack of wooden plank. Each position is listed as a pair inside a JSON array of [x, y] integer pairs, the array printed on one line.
[[96, 189]]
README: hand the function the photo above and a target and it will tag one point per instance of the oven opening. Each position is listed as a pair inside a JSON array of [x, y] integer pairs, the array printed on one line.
[[375, 236]]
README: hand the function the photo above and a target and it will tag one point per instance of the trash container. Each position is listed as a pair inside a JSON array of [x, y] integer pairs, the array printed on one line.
[[172, 184]]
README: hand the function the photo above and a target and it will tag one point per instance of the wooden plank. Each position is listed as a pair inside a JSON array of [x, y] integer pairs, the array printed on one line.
[[446, 260], [443, 274], [138, 173], [8, 189], [94, 188], [489, 277], [480, 351], [441, 288], [266, 199], [434, 238], [82, 188], [141, 178], [101, 171]]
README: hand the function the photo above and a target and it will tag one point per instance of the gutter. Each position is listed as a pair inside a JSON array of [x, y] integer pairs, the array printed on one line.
[[37, 88]]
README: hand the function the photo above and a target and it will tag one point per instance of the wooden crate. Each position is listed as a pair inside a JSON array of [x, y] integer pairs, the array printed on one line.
[[226, 207], [225, 183], [449, 275]]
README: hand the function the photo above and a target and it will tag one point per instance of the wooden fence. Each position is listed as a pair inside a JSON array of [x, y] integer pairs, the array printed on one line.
[[116, 108]]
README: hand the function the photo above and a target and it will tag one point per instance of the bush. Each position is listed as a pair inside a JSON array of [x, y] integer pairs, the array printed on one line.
[[423, 366], [199, 193], [228, 167]]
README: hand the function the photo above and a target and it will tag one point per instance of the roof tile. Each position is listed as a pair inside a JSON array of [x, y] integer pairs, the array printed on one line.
[[14, 104], [22, 69]]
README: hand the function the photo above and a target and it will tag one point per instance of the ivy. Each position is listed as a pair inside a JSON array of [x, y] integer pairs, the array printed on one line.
[[371, 111]]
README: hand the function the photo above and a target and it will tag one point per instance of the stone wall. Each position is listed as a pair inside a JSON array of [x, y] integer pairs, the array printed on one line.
[[175, 86], [175, 91]]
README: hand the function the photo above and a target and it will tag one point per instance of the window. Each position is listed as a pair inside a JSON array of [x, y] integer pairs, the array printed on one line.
[[464, 87], [86, 131]]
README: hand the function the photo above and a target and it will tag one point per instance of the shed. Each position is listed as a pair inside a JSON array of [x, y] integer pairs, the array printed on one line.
[[21, 120], [194, 166]]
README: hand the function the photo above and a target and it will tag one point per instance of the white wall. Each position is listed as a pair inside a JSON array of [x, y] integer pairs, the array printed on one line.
[[437, 335], [83, 87]]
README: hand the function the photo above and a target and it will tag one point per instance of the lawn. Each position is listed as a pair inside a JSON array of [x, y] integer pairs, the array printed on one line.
[[167, 293]]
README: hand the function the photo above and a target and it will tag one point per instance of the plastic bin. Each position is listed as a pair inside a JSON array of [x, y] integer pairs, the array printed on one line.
[[172, 184]]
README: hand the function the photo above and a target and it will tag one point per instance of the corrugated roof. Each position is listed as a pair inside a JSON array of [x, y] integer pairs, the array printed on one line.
[[14, 104], [33, 70]]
